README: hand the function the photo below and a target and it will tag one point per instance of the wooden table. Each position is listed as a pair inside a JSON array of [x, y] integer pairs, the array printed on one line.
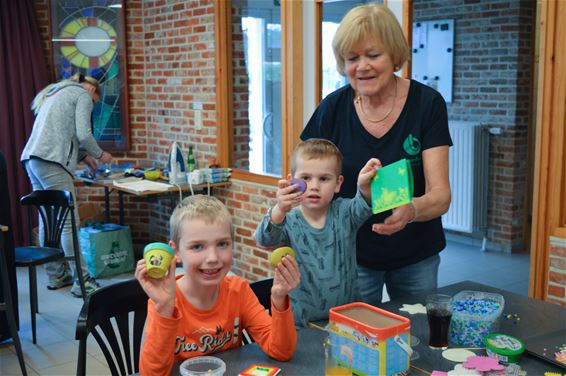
[[537, 318], [108, 185]]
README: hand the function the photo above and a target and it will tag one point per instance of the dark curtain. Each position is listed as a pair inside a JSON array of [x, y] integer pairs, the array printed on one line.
[[23, 72], [8, 249]]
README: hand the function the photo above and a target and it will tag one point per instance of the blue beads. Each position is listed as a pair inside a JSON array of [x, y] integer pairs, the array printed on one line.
[[474, 315]]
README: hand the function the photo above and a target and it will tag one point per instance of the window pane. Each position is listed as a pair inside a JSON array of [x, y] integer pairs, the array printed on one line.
[[256, 72], [332, 14]]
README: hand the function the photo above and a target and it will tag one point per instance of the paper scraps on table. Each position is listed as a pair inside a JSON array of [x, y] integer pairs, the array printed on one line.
[[457, 355], [560, 355], [459, 370], [413, 309], [260, 370], [483, 364]]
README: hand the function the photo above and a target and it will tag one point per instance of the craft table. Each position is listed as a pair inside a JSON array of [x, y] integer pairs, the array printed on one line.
[[108, 185], [537, 318]]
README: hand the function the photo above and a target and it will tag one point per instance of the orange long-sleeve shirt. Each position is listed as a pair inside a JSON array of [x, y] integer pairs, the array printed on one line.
[[193, 332]]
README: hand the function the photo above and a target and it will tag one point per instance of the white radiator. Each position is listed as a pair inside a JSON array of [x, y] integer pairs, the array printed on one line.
[[468, 170]]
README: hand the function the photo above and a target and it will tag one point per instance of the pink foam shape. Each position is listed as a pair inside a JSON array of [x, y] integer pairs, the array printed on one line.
[[483, 364]]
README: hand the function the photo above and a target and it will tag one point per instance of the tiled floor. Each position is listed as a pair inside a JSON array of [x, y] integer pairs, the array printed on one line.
[[56, 349]]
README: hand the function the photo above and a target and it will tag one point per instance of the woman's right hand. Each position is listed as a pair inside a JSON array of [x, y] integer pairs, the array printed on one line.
[[161, 291], [106, 157]]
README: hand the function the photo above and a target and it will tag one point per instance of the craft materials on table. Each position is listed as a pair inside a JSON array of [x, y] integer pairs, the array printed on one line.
[[413, 309], [505, 348], [560, 355], [378, 338], [457, 355], [475, 314], [141, 185], [202, 365], [260, 370]]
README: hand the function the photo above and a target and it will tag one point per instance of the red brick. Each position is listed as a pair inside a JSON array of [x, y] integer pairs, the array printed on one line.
[[559, 278], [556, 291]]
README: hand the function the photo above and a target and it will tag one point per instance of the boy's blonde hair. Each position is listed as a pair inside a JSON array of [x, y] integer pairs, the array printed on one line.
[[316, 148], [370, 22], [208, 208]]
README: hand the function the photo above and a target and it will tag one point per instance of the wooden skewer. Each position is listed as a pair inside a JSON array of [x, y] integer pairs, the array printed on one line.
[[420, 370], [312, 325]]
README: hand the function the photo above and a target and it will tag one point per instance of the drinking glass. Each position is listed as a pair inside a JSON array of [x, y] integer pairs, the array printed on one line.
[[439, 314]]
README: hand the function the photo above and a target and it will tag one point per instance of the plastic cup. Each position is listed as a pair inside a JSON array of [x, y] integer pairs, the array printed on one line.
[[439, 313], [203, 366], [337, 359], [157, 258]]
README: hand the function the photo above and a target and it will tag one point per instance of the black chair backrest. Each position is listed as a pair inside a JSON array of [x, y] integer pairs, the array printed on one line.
[[262, 290], [105, 305], [53, 207]]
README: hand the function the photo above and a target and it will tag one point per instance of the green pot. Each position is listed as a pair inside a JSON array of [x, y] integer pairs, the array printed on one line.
[[506, 348]]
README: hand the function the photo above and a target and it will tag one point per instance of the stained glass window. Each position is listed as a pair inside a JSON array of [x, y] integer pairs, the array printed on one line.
[[88, 38]]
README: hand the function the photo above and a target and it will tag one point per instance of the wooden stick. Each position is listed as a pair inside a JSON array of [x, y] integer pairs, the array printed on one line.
[[312, 325], [420, 370]]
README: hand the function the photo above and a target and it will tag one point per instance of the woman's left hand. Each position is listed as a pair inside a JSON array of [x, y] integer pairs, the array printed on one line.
[[397, 221]]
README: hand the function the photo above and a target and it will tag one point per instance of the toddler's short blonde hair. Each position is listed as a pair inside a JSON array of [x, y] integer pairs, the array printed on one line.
[[316, 148], [207, 208]]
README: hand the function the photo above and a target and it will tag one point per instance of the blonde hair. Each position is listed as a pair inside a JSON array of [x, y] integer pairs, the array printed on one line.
[[367, 22], [77, 78], [316, 148], [208, 208]]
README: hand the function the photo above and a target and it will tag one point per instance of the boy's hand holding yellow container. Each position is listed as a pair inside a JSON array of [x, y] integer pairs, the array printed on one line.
[[157, 258]]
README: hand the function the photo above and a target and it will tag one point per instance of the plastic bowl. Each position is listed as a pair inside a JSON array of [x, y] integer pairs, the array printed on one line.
[[475, 314], [203, 366]]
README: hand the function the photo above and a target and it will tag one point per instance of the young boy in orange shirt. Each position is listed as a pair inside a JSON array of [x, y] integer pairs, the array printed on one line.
[[204, 311]]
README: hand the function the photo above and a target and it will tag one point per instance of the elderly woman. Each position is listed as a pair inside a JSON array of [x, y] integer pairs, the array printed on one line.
[[388, 117]]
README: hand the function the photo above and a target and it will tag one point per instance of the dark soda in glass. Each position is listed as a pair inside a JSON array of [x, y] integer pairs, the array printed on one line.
[[438, 323]]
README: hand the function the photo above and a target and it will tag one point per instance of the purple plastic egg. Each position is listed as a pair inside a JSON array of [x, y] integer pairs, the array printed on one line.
[[301, 183]]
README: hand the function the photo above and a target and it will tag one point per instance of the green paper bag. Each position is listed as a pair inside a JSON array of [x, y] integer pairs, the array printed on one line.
[[392, 186], [107, 249]]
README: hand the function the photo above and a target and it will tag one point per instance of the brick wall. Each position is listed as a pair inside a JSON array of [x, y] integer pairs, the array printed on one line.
[[171, 66], [492, 85], [171, 56], [557, 273]]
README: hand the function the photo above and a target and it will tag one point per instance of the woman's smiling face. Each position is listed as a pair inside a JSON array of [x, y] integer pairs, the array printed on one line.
[[368, 68]]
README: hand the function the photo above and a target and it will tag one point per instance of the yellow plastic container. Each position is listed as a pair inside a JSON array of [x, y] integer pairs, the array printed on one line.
[[157, 258]]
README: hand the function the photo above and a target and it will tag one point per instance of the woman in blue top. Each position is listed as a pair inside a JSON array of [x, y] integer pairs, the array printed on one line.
[[381, 115]]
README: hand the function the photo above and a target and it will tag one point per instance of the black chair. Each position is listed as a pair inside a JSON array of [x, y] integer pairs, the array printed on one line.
[[262, 289], [53, 206], [7, 305], [117, 301]]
